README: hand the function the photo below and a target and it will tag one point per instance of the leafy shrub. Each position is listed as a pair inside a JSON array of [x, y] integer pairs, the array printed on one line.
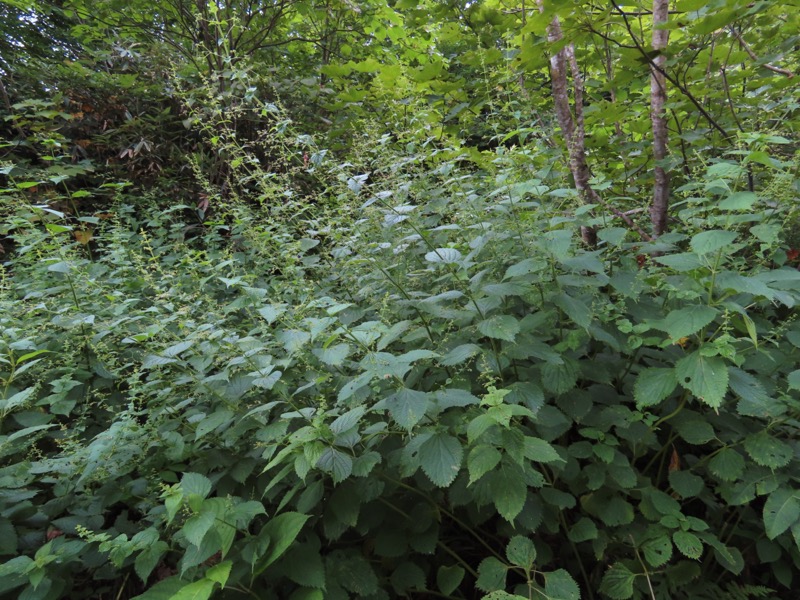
[[448, 394]]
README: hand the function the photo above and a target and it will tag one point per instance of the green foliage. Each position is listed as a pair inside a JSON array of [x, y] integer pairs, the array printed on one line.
[[240, 360]]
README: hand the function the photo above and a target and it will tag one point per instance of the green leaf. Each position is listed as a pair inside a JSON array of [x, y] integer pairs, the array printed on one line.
[[767, 450], [793, 379], [211, 422], [440, 458], [657, 551], [560, 378], [163, 590], [333, 355], [538, 450], [559, 585], [727, 464], [195, 484], [460, 354], [482, 459], [196, 528], [443, 256], [694, 429], [348, 420], [684, 322], [199, 590], [281, 531], [575, 309], [220, 572], [407, 407], [617, 582], [688, 544], [521, 552], [704, 376], [491, 575], [337, 463], [653, 385], [583, 530], [449, 578], [304, 566], [687, 484], [500, 327], [8, 537], [738, 201], [781, 511], [707, 242], [510, 490], [680, 262]]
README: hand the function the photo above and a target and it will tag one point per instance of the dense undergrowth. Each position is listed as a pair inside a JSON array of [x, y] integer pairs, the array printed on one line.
[[425, 387]]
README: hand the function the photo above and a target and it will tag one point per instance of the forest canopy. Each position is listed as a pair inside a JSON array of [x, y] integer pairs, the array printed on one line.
[[330, 299]]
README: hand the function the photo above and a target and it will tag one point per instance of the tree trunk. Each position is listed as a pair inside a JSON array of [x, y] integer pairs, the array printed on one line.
[[658, 98], [572, 128]]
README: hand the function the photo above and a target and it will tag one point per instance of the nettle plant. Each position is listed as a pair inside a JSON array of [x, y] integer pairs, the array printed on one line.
[[454, 397]]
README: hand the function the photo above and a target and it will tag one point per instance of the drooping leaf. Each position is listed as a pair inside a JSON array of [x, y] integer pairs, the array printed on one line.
[[440, 458], [781, 511], [705, 376]]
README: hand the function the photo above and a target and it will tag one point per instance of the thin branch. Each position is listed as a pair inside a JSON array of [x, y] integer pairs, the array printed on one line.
[[752, 55]]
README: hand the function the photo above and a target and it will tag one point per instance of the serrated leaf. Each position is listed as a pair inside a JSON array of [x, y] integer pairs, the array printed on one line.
[[521, 552], [687, 321], [560, 378], [333, 355], [304, 566], [440, 458], [688, 544], [617, 582], [491, 575], [538, 450], [460, 354], [211, 422], [657, 551], [407, 407], [510, 490], [175, 350], [767, 450], [449, 578], [196, 527], [727, 464], [153, 360], [281, 531], [500, 327], [337, 463], [271, 312], [680, 262], [560, 585], [575, 309], [482, 459], [793, 379], [686, 484], [753, 395], [704, 376], [348, 420], [194, 483], [148, 559], [220, 572], [781, 511], [443, 256], [583, 530], [653, 385], [707, 242], [199, 590], [528, 265]]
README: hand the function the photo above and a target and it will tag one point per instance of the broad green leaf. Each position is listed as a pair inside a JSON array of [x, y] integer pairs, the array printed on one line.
[[707, 242], [704, 376], [767, 450], [694, 429], [560, 585], [337, 463], [583, 530], [440, 458], [333, 355], [510, 490], [653, 385], [727, 464], [281, 531], [304, 566], [194, 483], [500, 327], [449, 578], [680, 262], [220, 572], [657, 551], [617, 582], [443, 256], [348, 420], [781, 511], [211, 422], [460, 354], [738, 201], [153, 360], [575, 309], [557, 242], [793, 379], [521, 552], [407, 407], [538, 450], [199, 590], [749, 389], [148, 559], [196, 527], [175, 350], [528, 265], [482, 459], [686, 483], [688, 544], [560, 378], [491, 575], [684, 322], [163, 590]]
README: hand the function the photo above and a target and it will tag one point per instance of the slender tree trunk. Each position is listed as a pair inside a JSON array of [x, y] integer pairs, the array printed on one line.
[[572, 128], [658, 98]]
